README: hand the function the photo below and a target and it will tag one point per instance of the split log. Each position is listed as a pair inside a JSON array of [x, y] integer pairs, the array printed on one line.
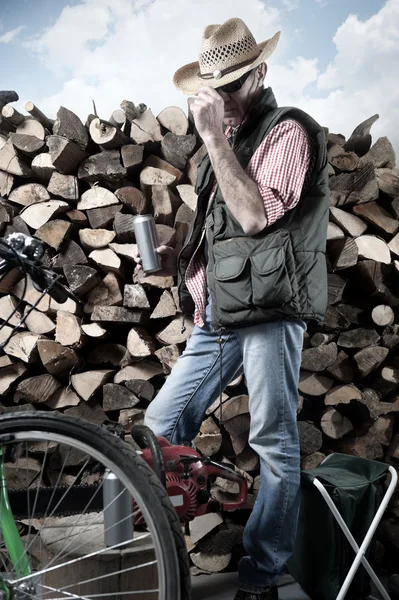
[[319, 358], [31, 295], [7, 96], [139, 343], [173, 119], [358, 338], [106, 135], [54, 233], [107, 260], [81, 279], [345, 161], [106, 293], [158, 163], [11, 163], [165, 205], [366, 446], [57, 359], [117, 314], [188, 195], [69, 305], [336, 288], [70, 254], [94, 330], [132, 158], [27, 144], [29, 193], [65, 187], [63, 397], [144, 390], [68, 331], [39, 116], [86, 384], [131, 111], [94, 239], [310, 438], [38, 322], [312, 384], [102, 217], [42, 167], [388, 181], [145, 128], [247, 460], [134, 296], [31, 127], [144, 370], [12, 115], [38, 389], [168, 356], [383, 315], [125, 251], [118, 118], [68, 125], [238, 428], [65, 155], [6, 183], [105, 166], [382, 154], [6, 127], [369, 359], [9, 376], [183, 220], [373, 248], [312, 461], [343, 253], [96, 197], [350, 224], [387, 380], [377, 216], [124, 228], [165, 308], [354, 188], [360, 140], [174, 332], [335, 425], [166, 235], [177, 149], [23, 345], [117, 397], [150, 177], [8, 307], [112, 354], [342, 394]]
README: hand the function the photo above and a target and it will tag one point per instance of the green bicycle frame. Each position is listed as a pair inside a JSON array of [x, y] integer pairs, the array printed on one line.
[[9, 530]]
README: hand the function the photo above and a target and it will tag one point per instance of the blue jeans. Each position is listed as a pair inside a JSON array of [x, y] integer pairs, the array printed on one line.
[[269, 355]]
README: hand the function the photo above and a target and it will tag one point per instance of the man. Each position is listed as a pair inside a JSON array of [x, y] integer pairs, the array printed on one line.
[[253, 272]]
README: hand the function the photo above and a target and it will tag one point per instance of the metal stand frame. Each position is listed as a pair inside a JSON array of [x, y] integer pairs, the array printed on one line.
[[360, 551]]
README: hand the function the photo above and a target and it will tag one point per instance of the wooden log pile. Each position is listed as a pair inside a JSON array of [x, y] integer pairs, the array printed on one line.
[[78, 186]]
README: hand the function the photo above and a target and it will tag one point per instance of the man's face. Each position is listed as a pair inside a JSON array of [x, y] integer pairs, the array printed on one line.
[[236, 103]]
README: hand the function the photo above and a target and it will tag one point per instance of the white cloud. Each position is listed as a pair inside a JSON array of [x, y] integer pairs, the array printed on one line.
[[290, 4], [116, 49], [9, 36]]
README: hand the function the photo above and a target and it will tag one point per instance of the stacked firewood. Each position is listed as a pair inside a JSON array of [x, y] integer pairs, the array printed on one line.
[[78, 186]]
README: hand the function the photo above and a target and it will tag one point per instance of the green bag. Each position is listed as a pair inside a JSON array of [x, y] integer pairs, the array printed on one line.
[[322, 555]]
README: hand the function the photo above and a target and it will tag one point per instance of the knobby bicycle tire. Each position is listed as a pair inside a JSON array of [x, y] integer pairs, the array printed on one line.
[[164, 517]]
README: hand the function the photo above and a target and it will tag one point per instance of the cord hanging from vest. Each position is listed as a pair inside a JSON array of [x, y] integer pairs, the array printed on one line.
[[220, 341]]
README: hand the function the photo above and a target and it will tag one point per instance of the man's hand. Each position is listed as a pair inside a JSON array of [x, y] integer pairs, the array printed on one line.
[[208, 113], [168, 257]]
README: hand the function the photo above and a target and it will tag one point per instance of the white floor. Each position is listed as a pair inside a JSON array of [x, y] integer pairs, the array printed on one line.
[[224, 586]]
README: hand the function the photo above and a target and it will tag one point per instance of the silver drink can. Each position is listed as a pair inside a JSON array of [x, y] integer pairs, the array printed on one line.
[[147, 242], [118, 511]]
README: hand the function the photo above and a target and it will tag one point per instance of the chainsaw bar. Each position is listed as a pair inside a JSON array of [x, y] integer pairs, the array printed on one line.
[[55, 502]]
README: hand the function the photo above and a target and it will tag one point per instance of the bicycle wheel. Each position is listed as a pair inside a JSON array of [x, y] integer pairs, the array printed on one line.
[[55, 471]]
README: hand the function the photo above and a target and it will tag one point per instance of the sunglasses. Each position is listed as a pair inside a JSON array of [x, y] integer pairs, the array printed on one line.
[[234, 86]]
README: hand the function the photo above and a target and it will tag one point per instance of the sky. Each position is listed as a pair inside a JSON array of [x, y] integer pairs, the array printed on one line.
[[336, 59]]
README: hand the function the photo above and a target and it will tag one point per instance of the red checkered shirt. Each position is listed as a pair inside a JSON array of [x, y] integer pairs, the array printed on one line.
[[281, 166]]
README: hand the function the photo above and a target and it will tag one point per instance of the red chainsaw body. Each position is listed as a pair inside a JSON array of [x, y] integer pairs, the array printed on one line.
[[188, 481]]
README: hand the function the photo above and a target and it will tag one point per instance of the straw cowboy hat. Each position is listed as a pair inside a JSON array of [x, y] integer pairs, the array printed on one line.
[[228, 51]]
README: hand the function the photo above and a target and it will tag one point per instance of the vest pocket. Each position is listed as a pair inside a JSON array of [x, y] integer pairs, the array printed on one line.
[[252, 273]]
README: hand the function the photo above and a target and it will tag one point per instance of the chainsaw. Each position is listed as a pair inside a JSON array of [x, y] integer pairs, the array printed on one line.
[[186, 474]]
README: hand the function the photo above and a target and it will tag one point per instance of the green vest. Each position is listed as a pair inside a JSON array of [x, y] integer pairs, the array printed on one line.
[[279, 273]]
